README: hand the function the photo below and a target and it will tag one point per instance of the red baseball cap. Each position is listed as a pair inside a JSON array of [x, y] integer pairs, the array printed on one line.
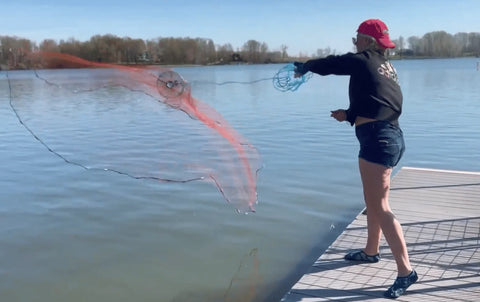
[[377, 29]]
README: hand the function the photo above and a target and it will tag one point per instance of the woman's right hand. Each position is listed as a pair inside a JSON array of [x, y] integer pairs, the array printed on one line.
[[299, 69]]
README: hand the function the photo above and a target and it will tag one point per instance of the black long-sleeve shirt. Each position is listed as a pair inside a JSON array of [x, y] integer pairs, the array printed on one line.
[[374, 90]]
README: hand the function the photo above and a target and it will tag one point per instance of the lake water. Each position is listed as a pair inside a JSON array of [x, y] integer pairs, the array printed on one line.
[[70, 234]]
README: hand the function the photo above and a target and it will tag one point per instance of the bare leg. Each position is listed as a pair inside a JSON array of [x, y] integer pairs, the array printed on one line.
[[376, 186]]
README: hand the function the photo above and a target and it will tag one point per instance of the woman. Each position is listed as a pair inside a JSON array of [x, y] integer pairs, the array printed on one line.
[[375, 106]]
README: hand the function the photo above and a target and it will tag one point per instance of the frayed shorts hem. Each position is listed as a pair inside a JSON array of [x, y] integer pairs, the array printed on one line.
[[381, 143]]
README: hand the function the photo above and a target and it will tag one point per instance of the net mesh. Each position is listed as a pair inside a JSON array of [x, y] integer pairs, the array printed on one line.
[[233, 170]]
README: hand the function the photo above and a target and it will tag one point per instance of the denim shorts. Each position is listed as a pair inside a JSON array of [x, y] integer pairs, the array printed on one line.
[[380, 142]]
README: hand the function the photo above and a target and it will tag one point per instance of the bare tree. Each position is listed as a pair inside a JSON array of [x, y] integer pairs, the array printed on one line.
[[49, 45], [224, 53], [251, 51], [284, 51]]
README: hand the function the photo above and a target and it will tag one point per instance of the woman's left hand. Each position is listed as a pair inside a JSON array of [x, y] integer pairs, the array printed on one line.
[[339, 114]]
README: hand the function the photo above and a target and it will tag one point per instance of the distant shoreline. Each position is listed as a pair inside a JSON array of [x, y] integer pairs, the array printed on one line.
[[4, 67]]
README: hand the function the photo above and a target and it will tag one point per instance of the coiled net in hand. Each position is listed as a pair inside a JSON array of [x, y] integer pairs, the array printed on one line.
[[285, 80]]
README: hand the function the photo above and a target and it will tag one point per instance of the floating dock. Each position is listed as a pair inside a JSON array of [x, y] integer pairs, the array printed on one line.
[[440, 214]]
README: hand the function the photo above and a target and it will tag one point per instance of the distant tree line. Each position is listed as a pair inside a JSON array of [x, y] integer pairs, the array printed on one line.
[[439, 44], [14, 51]]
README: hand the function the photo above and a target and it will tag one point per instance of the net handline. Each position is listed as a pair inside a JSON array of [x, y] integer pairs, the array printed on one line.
[[283, 80], [233, 82]]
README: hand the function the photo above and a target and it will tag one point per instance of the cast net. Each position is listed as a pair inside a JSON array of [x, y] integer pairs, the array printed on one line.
[[202, 147]]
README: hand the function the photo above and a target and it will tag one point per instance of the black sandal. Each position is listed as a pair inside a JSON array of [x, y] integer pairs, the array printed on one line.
[[359, 255], [400, 285]]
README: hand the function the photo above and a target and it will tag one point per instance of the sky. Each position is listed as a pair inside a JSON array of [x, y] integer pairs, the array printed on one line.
[[302, 25]]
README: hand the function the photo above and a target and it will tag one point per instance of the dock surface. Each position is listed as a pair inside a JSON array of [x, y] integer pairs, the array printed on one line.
[[440, 214]]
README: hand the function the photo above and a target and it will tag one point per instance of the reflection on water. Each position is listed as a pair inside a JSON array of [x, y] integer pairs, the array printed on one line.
[[242, 286], [67, 234]]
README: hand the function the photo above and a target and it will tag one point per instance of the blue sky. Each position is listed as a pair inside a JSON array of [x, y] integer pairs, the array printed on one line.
[[302, 25]]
